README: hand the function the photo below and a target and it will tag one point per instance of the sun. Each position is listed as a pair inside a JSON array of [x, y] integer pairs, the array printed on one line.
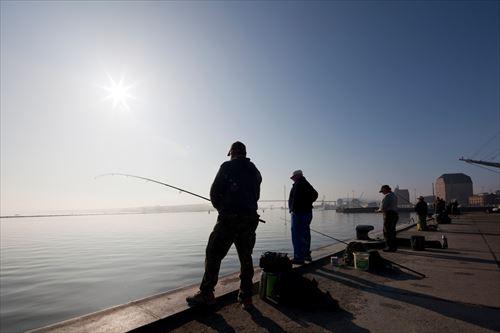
[[119, 93]]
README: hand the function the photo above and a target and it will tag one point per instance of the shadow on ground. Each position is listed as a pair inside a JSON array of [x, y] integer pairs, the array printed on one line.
[[487, 317], [435, 255], [307, 310]]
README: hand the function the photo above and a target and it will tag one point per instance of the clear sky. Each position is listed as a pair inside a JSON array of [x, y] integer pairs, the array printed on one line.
[[353, 93]]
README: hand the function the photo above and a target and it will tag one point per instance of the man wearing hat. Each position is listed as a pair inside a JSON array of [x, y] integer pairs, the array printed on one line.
[[422, 211], [302, 196], [234, 193], [389, 207]]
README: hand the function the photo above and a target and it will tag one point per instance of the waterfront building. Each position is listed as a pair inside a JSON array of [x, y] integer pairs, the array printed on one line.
[[483, 200], [403, 197], [454, 186]]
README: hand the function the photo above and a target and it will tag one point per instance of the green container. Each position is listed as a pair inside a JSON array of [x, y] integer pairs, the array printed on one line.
[[361, 261], [271, 280], [263, 285]]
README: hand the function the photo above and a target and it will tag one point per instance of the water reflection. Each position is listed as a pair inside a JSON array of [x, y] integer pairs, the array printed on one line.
[[57, 268]]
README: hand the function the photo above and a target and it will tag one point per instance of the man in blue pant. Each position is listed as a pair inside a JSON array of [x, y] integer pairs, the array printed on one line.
[[302, 196]]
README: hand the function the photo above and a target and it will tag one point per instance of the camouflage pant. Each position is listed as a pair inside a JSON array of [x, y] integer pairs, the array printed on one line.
[[422, 223], [239, 230]]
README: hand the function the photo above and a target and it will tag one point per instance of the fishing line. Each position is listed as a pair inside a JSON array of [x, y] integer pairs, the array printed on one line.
[[404, 267], [338, 240]]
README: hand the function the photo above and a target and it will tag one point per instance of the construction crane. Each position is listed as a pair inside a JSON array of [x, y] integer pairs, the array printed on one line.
[[480, 162]]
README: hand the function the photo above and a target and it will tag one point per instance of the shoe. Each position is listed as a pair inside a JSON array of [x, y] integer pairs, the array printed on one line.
[[201, 298], [389, 249], [246, 303], [308, 258], [297, 262]]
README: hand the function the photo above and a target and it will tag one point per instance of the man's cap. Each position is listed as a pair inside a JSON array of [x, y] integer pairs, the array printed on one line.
[[237, 147], [384, 187], [420, 198], [297, 173]]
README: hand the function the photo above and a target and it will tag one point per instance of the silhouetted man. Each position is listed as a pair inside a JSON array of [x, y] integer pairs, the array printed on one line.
[[422, 210], [302, 196], [234, 193]]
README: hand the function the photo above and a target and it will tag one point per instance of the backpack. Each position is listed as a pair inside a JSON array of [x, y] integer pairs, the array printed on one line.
[[275, 262]]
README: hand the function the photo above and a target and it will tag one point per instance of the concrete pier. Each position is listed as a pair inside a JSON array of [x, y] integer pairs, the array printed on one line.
[[460, 293]]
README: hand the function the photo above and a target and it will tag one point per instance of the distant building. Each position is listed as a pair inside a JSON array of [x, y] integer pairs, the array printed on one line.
[[355, 203], [454, 186], [483, 199], [403, 197]]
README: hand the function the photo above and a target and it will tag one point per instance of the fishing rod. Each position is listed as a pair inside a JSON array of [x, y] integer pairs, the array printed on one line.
[[158, 182], [404, 267], [318, 232], [387, 260], [338, 240]]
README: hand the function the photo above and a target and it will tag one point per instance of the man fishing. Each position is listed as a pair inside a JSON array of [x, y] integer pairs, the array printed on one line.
[[389, 207], [234, 193], [302, 196], [422, 210]]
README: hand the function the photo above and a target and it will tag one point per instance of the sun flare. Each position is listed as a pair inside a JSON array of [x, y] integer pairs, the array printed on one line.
[[118, 93]]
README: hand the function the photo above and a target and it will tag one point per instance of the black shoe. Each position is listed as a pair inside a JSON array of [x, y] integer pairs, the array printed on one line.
[[308, 258], [201, 298], [246, 303], [297, 262]]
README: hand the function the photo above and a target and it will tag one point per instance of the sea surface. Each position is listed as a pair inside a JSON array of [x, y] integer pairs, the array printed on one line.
[[56, 268]]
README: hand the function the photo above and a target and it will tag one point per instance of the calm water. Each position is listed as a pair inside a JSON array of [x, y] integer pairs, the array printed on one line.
[[55, 268]]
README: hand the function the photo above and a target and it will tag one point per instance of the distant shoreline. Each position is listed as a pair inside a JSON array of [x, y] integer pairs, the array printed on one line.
[[99, 214], [79, 214], [174, 209]]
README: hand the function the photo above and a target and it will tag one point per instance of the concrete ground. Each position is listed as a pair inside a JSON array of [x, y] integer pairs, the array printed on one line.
[[459, 293]]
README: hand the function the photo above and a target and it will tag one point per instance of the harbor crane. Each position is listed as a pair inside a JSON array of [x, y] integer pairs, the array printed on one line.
[[480, 162]]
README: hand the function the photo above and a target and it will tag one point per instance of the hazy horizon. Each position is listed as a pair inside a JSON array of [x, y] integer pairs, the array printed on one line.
[[353, 93]]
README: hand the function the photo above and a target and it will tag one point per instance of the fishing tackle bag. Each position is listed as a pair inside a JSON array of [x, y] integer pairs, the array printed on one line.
[[275, 262]]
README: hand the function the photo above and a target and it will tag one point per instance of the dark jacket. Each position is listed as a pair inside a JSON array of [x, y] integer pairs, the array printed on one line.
[[421, 208], [440, 206], [302, 196], [236, 188]]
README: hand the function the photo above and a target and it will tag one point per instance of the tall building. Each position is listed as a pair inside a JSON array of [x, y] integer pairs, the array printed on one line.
[[403, 197], [454, 186]]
